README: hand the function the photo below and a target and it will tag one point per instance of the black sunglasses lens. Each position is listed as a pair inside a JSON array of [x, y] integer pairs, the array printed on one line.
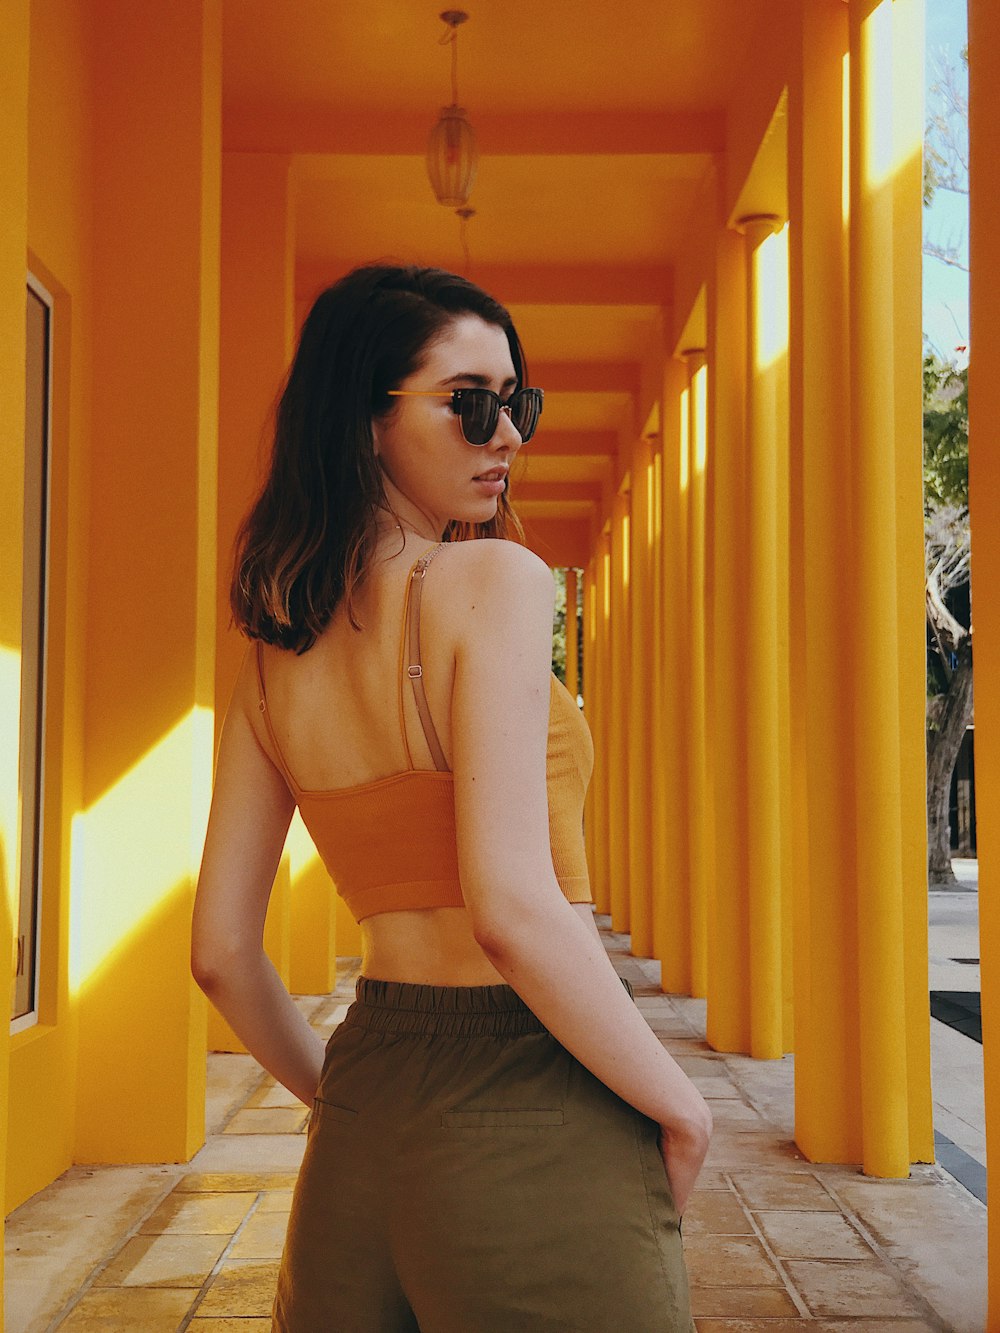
[[525, 408], [480, 412]]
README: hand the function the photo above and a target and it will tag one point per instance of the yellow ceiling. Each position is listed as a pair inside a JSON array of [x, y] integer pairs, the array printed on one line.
[[598, 130], [513, 55]]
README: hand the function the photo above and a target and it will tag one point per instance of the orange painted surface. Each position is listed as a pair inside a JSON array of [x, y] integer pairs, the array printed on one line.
[[984, 484]]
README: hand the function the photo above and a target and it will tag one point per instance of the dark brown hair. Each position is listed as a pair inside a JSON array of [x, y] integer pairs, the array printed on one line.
[[309, 537]]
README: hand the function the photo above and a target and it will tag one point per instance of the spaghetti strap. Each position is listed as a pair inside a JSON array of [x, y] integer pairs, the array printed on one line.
[[262, 705], [409, 652]]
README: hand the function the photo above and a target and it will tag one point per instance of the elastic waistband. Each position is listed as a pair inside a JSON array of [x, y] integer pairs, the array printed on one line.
[[453, 1011]]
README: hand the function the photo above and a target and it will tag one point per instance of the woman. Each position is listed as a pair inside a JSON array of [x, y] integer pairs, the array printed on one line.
[[497, 1139]]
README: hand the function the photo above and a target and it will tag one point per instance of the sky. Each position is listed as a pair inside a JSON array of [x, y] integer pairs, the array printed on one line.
[[946, 222]]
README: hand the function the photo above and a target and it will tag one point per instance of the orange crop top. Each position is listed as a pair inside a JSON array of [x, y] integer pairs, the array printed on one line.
[[390, 844]]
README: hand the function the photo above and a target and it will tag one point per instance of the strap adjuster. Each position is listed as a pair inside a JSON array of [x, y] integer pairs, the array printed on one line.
[[414, 672]]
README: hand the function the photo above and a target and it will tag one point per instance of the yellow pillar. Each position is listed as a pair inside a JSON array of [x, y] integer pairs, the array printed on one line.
[[257, 337], [150, 621], [659, 851], [876, 669], [827, 1084], [618, 699], [589, 613], [729, 1004], [766, 478], [13, 247], [698, 793], [572, 632], [639, 676], [603, 696], [984, 485], [672, 906]]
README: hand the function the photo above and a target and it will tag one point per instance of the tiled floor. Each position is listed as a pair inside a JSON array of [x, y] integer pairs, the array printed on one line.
[[772, 1242]]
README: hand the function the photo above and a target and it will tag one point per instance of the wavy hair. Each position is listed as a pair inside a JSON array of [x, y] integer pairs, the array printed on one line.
[[309, 538]]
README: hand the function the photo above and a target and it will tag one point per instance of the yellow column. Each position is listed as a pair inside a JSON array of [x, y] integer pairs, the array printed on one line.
[[876, 669], [672, 907], [13, 247], [698, 795], [257, 335], [589, 613], [603, 703], [639, 676], [659, 851], [984, 485], [150, 621], [618, 699], [767, 343], [827, 1084], [729, 1004], [572, 630]]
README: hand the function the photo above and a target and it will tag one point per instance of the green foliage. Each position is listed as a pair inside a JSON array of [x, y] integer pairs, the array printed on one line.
[[559, 627], [946, 434]]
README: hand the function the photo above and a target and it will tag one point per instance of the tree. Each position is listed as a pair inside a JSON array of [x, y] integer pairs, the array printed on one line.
[[946, 147], [947, 553]]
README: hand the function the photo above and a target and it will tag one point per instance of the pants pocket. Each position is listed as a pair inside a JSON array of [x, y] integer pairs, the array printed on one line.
[[327, 1111]]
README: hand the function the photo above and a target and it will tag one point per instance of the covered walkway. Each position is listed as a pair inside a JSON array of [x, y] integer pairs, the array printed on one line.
[[705, 218], [773, 1242]]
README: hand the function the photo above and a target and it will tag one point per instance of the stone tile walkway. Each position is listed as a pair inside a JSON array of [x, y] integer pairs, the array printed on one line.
[[773, 1242]]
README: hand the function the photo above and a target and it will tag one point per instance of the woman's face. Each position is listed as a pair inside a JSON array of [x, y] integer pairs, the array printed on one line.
[[431, 470]]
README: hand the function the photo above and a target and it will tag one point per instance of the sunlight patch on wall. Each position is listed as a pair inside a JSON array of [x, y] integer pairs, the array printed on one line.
[[877, 138], [699, 389], [301, 849], [138, 842], [770, 260], [10, 741]]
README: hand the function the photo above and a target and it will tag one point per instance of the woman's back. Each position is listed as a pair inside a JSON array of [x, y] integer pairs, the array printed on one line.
[[334, 723]]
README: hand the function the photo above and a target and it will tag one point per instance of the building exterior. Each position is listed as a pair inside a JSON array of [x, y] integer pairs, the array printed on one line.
[[706, 220]]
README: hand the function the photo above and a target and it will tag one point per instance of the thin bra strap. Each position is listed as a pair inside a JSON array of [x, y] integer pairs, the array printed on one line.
[[411, 615], [262, 705]]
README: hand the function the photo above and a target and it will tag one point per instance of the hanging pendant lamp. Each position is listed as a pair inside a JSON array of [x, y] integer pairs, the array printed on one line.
[[451, 149]]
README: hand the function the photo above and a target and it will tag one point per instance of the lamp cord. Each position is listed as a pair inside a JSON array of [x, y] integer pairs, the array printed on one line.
[[452, 36], [463, 223]]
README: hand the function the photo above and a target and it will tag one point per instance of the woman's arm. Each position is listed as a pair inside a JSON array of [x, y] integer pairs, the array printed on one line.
[[251, 810], [520, 917]]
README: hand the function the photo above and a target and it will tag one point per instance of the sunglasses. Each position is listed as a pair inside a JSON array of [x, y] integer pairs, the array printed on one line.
[[479, 410]]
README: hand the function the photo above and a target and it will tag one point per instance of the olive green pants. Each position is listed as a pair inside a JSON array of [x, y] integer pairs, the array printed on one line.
[[464, 1173]]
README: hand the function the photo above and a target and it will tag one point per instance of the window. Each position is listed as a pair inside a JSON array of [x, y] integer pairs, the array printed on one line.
[[36, 505]]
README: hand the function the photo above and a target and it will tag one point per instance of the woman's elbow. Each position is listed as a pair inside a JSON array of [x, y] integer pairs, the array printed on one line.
[[212, 964], [204, 969]]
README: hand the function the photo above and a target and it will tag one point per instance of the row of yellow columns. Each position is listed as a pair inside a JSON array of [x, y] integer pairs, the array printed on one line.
[[754, 619]]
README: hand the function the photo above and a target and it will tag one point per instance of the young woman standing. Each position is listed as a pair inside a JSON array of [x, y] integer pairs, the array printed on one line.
[[497, 1141]]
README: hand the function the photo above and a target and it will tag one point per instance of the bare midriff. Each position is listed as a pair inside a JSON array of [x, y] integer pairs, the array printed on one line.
[[433, 946]]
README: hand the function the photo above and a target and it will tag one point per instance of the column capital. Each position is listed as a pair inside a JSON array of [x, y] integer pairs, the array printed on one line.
[[693, 357], [758, 225]]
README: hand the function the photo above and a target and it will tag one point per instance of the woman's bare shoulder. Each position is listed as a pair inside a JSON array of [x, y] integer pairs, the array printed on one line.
[[493, 565], [495, 593]]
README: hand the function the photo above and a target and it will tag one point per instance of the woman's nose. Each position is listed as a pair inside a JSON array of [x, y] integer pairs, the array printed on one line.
[[506, 424]]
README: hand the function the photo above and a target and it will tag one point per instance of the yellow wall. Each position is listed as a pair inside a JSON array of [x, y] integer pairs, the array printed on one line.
[[43, 1058], [13, 242], [131, 258]]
